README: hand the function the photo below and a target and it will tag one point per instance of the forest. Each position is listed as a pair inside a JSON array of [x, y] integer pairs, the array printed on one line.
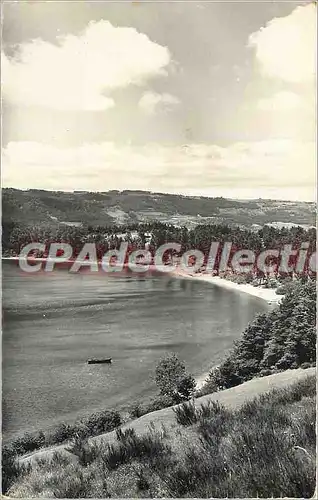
[[154, 234]]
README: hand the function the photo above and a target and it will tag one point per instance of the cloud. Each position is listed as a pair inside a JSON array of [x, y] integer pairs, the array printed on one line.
[[255, 166], [285, 53], [78, 72], [281, 101], [286, 47], [151, 102]]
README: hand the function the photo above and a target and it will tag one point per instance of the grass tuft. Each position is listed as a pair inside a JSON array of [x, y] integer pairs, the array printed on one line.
[[266, 448]]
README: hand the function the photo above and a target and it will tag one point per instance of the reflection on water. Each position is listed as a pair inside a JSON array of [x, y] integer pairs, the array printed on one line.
[[53, 322]]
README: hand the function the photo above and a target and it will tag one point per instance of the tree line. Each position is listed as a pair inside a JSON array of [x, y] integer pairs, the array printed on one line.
[[155, 234]]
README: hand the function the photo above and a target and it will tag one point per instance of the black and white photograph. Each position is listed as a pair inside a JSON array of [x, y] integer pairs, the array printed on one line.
[[158, 208]]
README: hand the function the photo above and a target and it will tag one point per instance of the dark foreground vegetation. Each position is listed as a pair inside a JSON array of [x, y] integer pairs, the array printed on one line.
[[266, 448]]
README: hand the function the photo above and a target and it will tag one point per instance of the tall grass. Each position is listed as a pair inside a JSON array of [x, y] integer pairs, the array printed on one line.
[[149, 446], [264, 449], [189, 414]]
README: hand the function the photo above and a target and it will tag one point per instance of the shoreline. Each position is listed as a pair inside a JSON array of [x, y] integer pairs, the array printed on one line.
[[201, 380], [267, 294]]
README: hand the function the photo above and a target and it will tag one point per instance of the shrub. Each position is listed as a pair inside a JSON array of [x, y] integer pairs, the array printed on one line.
[[136, 411], [102, 421], [60, 434], [265, 372], [77, 485], [11, 469], [28, 442], [212, 408], [191, 477], [124, 435], [150, 446], [93, 425], [284, 288], [186, 414], [305, 387], [86, 453], [158, 403], [142, 482], [225, 375]]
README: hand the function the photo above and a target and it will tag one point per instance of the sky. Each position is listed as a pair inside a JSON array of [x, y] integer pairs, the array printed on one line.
[[197, 98]]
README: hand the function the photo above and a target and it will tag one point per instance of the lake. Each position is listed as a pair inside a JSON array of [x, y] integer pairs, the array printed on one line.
[[53, 322]]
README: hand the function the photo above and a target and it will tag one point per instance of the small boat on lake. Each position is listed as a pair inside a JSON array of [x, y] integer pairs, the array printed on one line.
[[94, 361]]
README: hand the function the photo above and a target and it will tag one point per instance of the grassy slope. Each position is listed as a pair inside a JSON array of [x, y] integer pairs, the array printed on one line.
[[260, 443], [231, 398]]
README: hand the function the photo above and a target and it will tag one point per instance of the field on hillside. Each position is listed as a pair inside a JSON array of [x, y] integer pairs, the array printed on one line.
[[36, 206]]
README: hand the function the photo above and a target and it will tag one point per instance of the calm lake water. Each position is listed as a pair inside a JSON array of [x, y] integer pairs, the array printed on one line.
[[53, 322]]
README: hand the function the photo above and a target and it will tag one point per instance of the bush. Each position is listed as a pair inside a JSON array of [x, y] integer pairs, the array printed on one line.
[[11, 469], [60, 434], [150, 446], [224, 376], [136, 411], [271, 283], [158, 403], [142, 482], [86, 453], [102, 421], [284, 288], [124, 435], [188, 478], [93, 425], [28, 442], [186, 414], [265, 372]]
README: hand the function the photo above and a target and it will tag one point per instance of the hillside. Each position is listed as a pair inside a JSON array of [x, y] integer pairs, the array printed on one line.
[[228, 443], [280, 339], [127, 207], [242, 442], [232, 398]]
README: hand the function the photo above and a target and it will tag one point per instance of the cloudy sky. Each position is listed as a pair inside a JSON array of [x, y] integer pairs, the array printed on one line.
[[196, 98]]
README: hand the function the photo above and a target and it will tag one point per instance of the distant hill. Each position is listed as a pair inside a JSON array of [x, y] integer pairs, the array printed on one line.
[[124, 207]]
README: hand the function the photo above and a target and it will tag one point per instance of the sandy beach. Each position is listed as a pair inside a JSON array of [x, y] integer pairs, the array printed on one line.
[[268, 294]]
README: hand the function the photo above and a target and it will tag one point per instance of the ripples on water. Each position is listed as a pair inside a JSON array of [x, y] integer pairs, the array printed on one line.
[[53, 322]]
